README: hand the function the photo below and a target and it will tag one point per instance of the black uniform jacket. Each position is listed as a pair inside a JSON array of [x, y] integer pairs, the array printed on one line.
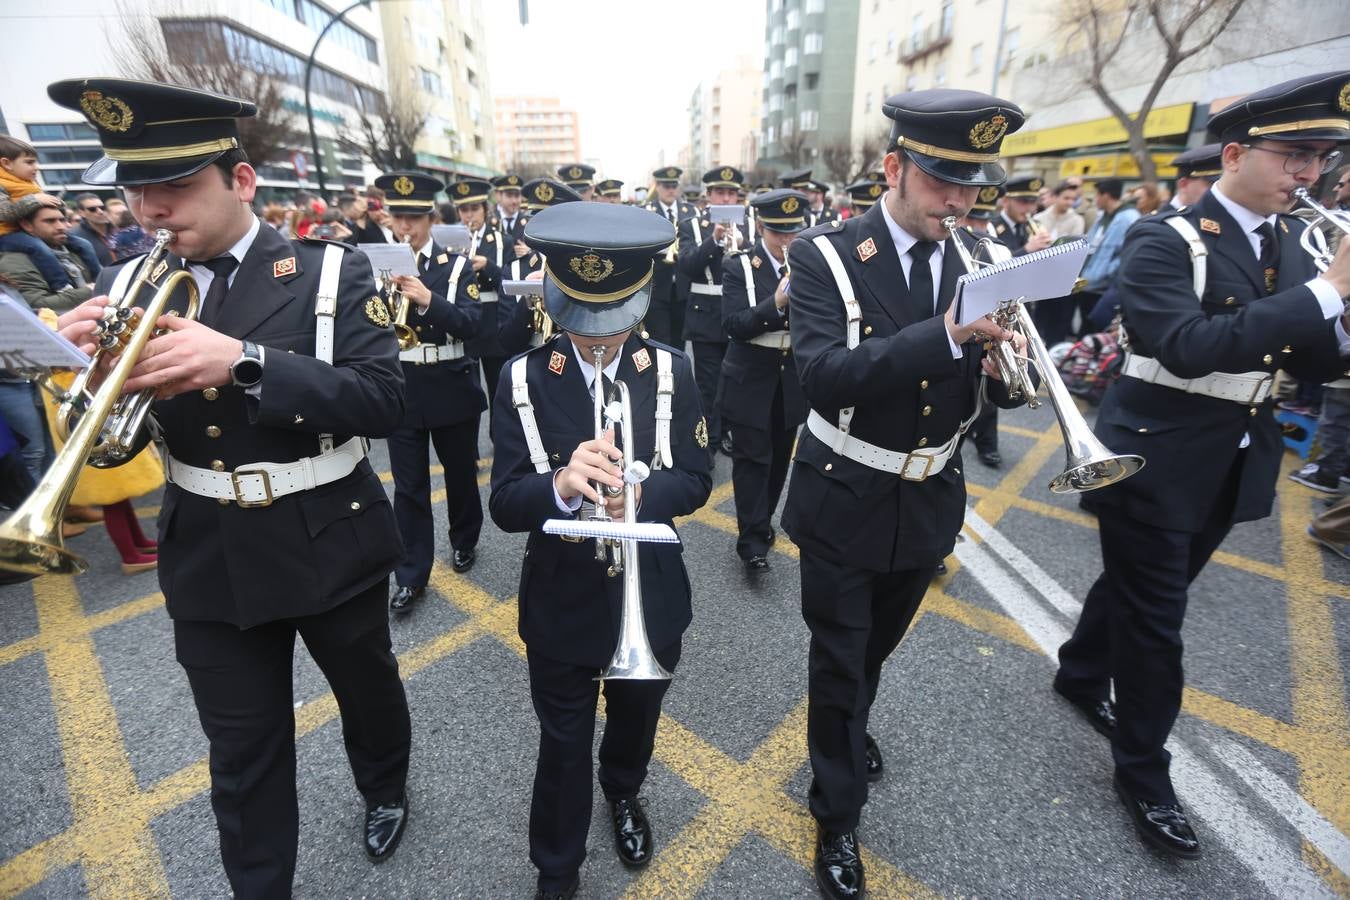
[[1190, 441], [569, 607], [515, 233], [670, 272], [908, 393], [493, 247], [444, 393], [755, 373], [308, 551], [700, 262]]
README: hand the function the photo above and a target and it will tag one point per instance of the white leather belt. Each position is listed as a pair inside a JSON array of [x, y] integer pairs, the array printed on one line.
[[915, 466], [1248, 388], [428, 354], [774, 340], [258, 484], [699, 287]]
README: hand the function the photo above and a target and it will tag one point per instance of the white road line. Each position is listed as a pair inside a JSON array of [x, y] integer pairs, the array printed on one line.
[[1038, 578], [1255, 846], [1323, 835]]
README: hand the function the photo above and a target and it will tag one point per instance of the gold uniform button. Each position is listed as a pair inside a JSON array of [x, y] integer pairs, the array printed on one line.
[[1267, 359], [1287, 349], [356, 504], [867, 329], [1143, 431], [829, 467], [210, 394], [1252, 411], [1229, 301], [927, 410], [923, 442], [213, 431], [217, 466], [923, 385]]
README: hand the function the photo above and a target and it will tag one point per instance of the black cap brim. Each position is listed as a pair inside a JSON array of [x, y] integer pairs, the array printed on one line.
[[108, 172], [785, 229], [950, 170], [595, 319]]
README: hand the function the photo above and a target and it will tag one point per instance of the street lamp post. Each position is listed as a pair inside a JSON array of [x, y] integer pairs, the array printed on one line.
[[309, 108]]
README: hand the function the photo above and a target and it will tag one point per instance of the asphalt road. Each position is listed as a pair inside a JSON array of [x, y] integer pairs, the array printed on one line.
[[994, 786]]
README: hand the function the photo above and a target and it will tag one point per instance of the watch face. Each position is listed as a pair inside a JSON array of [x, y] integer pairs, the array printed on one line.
[[247, 372]]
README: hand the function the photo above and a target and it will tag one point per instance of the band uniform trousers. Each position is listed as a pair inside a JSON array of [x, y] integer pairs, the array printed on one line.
[[1129, 633], [457, 449], [565, 697], [241, 681], [759, 467], [708, 356], [857, 619]]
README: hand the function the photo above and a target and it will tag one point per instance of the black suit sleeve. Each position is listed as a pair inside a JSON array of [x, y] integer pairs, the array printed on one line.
[[360, 393], [462, 317], [695, 257], [739, 319], [833, 376], [683, 489]]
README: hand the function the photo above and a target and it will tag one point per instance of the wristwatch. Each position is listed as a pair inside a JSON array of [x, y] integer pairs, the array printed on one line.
[[247, 370]]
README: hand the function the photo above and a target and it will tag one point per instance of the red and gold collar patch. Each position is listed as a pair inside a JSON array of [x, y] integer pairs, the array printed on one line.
[[283, 267], [1210, 226], [867, 249], [556, 362], [642, 360]]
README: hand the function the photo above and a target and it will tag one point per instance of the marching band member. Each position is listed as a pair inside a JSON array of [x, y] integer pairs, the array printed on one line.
[[665, 317], [488, 254]]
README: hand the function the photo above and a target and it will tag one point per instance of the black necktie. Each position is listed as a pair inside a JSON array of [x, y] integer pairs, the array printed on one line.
[[921, 275], [220, 267], [670, 213], [1270, 255], [423, 263], [606, 385]]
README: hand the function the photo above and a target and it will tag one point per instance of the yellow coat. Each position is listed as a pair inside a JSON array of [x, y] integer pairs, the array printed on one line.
[[101, 487]]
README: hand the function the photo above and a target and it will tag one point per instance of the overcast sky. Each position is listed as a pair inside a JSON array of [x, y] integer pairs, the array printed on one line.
[[628, 67]]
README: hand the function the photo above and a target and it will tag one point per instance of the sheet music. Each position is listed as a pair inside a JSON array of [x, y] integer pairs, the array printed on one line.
[[27, 343], [726, 214], [657, 532], [454, 238], [396, 259], [1043, 275], [523, 288]]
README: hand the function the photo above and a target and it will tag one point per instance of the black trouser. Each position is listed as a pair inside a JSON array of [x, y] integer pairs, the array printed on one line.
[[241, 682], [983, 432], [457, 449], [759, 467], [564, 697], [1054, 318], [1130, 633], [856, 619], [708, 376], [664, 321]]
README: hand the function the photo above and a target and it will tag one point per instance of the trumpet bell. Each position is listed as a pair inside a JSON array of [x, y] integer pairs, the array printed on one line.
[[407, 338], [634, 663], [1098, 471], [37, 554]]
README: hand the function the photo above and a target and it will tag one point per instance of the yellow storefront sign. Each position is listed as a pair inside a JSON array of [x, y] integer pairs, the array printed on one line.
[[1114, 165], [1161, 122]]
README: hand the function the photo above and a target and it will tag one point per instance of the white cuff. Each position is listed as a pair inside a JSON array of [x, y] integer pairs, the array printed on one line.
[[957, 352], [1332, 304], [566, 506], [1342, 338]]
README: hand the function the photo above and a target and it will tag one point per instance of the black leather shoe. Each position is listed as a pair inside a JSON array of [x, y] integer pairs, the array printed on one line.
[[385, 825], [876, 769], [462, 560], [1162, 826], [991, 458], [1101, 714], [773, 536], [839, 868], [632, 832], [566, 893], [757, 563], [940, 570], [402, 601]]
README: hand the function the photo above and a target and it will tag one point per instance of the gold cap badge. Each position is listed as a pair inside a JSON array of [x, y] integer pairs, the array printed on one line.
[[989, 132], [106, 111], [404, 185]]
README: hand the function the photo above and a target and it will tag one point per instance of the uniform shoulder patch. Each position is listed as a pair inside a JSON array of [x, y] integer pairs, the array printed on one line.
[[642, 360], [756, 262], [442, 259], [701, 433], [1209, 225], [867, 249], [490, 238], [377, 311], [1000, 228], [283, 267], [557, 362], [472, 291]]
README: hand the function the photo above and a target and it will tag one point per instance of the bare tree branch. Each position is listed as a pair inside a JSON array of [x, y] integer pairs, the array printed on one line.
[[389, 131]]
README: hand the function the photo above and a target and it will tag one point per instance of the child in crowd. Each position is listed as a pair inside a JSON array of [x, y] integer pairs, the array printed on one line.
[[18, 176]]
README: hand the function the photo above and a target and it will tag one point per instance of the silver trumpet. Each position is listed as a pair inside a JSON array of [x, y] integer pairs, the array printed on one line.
[[1089, 463], [633, 658], [1314, 240]]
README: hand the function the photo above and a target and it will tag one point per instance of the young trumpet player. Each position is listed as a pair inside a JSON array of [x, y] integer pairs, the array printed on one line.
[[547, 462]]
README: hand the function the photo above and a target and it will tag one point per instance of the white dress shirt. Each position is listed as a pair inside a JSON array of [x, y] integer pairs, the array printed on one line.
[[204, 276]]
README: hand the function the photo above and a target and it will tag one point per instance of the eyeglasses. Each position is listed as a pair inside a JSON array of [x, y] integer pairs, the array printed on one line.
[[98, 208], [1296, 161]]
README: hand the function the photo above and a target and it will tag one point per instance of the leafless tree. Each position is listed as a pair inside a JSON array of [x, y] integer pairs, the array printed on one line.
[[203, 59], [389, 129], [1105, 30], [837, 159], [795, 149]]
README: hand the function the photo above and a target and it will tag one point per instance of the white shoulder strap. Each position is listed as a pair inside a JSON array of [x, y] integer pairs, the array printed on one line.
[[698, 235], [1182, 226], [853, 312], [325, 314], [122, 281], [749, 278], [520, 399], [454, 277], [665, 405]]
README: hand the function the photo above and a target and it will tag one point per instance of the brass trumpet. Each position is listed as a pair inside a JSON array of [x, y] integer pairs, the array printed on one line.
[[1089, 463], [99, 430], [398, 312], [1313, 240]]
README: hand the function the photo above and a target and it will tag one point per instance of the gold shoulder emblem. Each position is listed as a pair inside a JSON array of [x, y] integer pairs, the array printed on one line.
[[491, 238], [472, 291], [377, 312], [701, 433], [159, 270]]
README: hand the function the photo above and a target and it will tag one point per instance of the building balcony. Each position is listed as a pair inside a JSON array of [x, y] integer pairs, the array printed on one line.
[[932, 39]]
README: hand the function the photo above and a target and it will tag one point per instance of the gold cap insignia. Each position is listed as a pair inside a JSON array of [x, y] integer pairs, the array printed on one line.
[[867, 249], [988, 194], [642, 360], [556, 362], [874, 191], [106, 111], [701, 433], [989, 132], [591, 267], [727, 174], [472, 291], [790, 205], [512, 180], [543, 193], [1036, 184], [377, 312], [462, 188], [283, 267], [1343, 99], [574, 172], [1209, 225], [404, 185]]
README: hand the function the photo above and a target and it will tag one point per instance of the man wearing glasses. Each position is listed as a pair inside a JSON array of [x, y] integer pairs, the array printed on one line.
[[94, 226], [1194, 401]]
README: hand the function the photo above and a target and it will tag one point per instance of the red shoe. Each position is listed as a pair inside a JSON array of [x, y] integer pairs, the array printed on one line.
[[140, 563]]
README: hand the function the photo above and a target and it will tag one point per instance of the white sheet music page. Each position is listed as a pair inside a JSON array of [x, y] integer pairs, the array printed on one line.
[[1043, 275], [27, 343], [396, 259]]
